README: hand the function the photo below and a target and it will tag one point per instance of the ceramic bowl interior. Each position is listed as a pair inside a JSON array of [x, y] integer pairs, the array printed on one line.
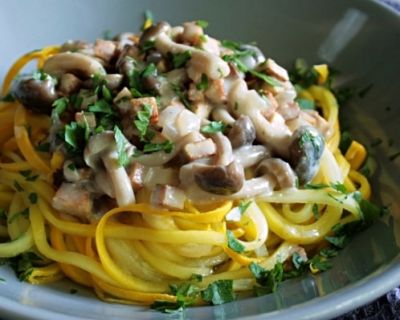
[[359, 38]]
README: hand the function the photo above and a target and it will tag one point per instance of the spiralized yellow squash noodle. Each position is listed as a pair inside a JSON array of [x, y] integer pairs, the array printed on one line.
[[138, 165]]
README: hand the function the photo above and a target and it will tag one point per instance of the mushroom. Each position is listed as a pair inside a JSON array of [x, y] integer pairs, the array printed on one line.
[[242, 132], [151, 33], [201, 62], [250, 155], [101, 151], [36, 94], [69, 84], [168, 196], [223, 180], [81, 65], [222, 114], [73, 174], [272, 132], [278, 171], [251, 61], [306, 149]]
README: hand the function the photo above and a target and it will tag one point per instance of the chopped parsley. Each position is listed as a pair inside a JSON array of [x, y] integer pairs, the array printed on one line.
[[150, 70], [28, 175], [267, 280], [267, 79], [43, 147], [213, 127], [76, 135], [33, 197], [149, 44], [219, 292], [23, 264], [182, 95], [24, 213], [233, 243], [101, 106], [143, 120], [179, 60], [315, 211], [120, 140], [203, 84], [60, 105], [243, 206], [18, 187], [202, 23], [166, 146]]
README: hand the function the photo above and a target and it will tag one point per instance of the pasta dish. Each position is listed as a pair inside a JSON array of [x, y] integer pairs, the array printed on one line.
[[170, 168]]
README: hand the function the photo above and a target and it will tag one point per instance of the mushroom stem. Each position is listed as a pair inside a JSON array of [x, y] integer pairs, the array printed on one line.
[[120, 180]]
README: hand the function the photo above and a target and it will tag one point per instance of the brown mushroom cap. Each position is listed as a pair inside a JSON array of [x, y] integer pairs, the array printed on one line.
[[36, 95], [242, 132], [81, 65], [222, 180]]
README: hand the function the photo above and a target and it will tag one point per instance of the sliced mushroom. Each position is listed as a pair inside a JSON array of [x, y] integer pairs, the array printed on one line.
[[101, 152], [104, 49], [199, 149], [306, 149], [69, 84], [151, 33], [73, 174], [250, 155], [224, 155], [242, 132], [168, 196], [222, 180], [36, 94], [272, 132], [279, 171], [252, 60], [81, 65]]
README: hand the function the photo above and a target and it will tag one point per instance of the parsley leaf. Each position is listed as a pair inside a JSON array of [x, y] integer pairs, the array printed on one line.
[[43, 147], [143, 120], [23, 264], [219, 292], [316, 186], [166, 146], [269, 279], [202, 23], [243, 206], [213, 127], [27, 174], [233, 243], [320, 263], [101, 106], [18, 187], [24, 213], [60, 105], [120, 140], [150, 70], [33, 197], [149, 44], [268, 79], [298, 260], [339, 187], [182, 95], [75, 135], [203, 84], [315, 211], [180, 59]]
